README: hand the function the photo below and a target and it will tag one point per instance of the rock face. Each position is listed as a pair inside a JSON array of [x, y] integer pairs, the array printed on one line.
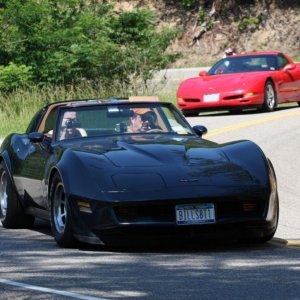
[[207, 28]]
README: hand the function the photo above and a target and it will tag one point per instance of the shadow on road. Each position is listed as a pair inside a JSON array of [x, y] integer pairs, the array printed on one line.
[[250, 111]]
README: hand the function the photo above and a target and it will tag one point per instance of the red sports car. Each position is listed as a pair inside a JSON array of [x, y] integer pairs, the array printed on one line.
[[260, 79]]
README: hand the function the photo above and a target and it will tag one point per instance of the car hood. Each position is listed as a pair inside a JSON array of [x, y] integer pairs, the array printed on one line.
[[160, 162], [225, 82]]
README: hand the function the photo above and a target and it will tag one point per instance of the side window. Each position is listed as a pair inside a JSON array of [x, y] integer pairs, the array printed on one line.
[[49, 123], [282, 61]]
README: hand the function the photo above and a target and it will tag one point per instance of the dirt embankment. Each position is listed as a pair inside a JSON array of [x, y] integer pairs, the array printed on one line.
[[209, 27]]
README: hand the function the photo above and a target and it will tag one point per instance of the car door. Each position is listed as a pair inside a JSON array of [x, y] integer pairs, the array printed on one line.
[[31, 158], [289, 82], [29, 168]]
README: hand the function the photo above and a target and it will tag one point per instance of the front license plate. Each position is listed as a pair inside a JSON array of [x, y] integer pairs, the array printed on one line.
[[195, 214], [211, 97]]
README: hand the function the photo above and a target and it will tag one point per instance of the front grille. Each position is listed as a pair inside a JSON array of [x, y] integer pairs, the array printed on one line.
[[235, 97], [240, 209], [192, 100], [145, 213], [165, 213]]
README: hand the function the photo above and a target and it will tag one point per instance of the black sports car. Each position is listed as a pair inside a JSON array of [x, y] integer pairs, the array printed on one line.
[[118, 171]]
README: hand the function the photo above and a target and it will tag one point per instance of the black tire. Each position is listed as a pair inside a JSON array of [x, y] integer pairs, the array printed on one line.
[[12, 214], [270, 99], [298, 103], [190, 112], [61, 219]]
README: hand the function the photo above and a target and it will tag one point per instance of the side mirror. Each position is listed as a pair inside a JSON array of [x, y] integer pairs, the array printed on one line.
[[289, 67], [202, 73], [200, 130], [36, 137]]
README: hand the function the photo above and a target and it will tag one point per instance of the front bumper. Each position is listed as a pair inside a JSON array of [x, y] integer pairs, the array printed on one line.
[[155, 221], [227, 100]]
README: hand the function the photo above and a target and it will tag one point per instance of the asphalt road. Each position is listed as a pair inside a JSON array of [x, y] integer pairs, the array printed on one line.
[[33, 267]]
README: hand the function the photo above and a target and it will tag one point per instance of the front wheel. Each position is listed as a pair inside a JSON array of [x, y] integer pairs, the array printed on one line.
[[270, 100], [11, 212], [61, 219]]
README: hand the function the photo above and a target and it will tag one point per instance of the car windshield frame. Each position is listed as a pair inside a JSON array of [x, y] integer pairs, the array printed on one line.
[[174, 123], [245, 64]]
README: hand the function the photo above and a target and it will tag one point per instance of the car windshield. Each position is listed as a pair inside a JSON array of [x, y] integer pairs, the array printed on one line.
[[119, 119], [242, 64]]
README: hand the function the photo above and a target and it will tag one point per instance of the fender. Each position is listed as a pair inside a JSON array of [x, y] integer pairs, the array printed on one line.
[[6, 158], [250, 156], [77, 178]]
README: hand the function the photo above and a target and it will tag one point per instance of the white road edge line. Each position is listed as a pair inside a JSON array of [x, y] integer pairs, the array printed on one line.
[[48, 290]]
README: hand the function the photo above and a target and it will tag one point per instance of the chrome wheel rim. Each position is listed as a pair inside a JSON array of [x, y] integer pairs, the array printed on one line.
[[270, 96], [59, 208], [3, 193]]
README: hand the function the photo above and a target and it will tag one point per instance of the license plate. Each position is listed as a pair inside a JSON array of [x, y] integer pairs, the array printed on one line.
[[190, 214], [211, 97]]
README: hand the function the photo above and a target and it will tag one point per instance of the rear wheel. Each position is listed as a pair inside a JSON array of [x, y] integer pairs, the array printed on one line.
[[270, 100], [298, 103], [11, 212], [61, 219], [190, 112]]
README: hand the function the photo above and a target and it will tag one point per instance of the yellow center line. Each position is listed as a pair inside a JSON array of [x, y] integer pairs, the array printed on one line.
[[251, 123]]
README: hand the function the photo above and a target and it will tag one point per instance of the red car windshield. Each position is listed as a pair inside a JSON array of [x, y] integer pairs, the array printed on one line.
[[243, 64]]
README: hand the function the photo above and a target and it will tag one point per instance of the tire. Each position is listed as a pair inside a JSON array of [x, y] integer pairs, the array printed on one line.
[[61, 219], [190, 112], [270, 99], [298, 103], [11, 212]]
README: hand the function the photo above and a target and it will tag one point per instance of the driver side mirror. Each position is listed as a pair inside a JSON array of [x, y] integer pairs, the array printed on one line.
[[202, 73], [36, 137], [200, 130]]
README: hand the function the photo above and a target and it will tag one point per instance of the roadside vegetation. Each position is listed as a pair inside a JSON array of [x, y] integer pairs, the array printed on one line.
[[18, 107], [69, 49]]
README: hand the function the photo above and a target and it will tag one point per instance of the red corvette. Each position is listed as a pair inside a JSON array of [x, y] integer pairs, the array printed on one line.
[[260, 79]]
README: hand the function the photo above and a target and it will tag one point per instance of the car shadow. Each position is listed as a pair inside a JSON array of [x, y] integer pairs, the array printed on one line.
[[44, 227], [250, 111], [205, 246]]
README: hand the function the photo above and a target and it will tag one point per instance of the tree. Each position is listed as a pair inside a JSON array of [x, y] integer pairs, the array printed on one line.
[[66, 41]]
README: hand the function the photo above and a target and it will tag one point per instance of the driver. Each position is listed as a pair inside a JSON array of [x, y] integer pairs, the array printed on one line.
[[143, 120]]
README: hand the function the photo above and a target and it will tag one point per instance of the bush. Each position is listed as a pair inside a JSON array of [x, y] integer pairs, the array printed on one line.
[[13, 76], [65, 42]]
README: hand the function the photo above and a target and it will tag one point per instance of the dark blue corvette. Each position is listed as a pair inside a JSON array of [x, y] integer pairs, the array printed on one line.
[[119, 171]]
